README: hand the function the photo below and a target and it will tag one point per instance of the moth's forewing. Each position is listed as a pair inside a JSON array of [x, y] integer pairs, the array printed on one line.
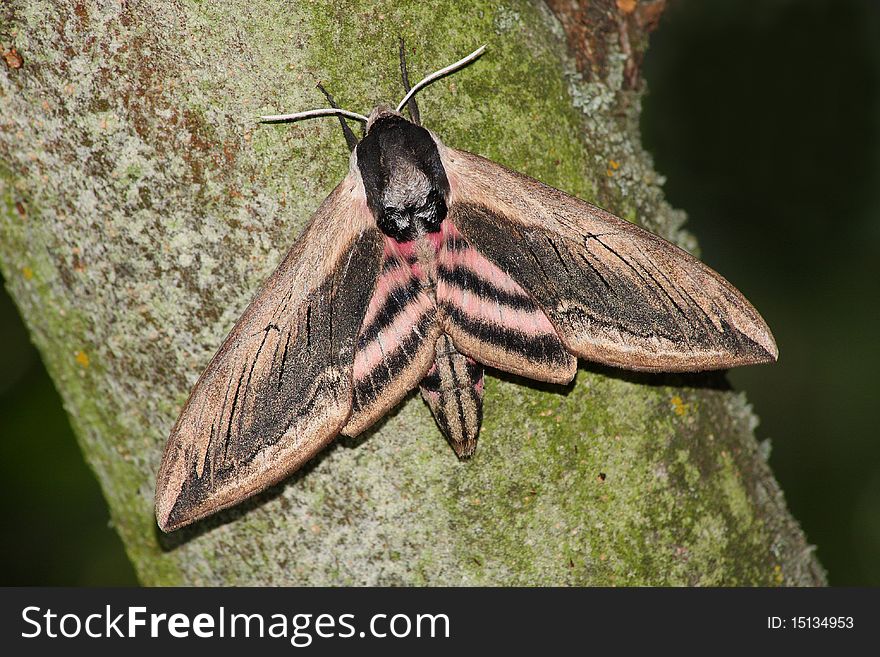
[[615, 293], [279, 389]]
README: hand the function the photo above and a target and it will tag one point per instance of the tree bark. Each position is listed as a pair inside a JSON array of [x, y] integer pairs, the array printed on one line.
[[142, 205]]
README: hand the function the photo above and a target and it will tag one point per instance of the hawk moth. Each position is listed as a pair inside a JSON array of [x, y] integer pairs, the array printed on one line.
[[423, 266]]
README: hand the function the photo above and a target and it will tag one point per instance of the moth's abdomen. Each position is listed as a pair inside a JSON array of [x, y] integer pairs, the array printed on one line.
[[453, 389]]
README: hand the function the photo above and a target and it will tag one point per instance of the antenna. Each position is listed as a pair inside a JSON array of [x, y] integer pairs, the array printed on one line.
[[335, 111], [310, 114], [439, 74]]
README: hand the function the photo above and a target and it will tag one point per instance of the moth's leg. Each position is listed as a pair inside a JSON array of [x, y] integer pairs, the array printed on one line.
[[411, 103], [350, 138]]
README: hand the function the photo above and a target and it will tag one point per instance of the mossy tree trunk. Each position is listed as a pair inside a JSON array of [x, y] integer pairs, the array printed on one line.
[[142, 205]]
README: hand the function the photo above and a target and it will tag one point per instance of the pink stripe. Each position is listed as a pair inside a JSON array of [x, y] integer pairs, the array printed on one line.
[[476, 262], [472, 259], [399, 276], [371, 355], [402, 249], [530, 322], [436, 239], [450, 230]]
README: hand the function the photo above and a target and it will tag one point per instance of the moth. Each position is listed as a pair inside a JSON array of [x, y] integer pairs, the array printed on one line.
[[424, 266]]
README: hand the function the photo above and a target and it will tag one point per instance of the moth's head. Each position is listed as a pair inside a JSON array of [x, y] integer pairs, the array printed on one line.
[[398, 160], [381, 112]]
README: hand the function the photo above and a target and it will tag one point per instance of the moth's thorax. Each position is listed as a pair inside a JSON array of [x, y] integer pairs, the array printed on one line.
[[404, 180], [407, 186]]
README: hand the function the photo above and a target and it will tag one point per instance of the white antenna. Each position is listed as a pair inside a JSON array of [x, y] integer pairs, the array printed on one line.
[[331, 111], [308, 114], [439, 74]]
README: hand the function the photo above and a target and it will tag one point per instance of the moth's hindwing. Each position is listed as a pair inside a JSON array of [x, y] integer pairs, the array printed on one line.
[[492, 319], [615, 293], [395, 347], [279, 389]]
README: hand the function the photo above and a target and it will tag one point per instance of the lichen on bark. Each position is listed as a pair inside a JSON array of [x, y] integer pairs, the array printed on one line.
[[142, 205]]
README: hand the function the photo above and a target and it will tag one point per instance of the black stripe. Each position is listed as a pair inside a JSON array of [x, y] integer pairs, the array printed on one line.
[[456, 243], [431, 382], [661, 287], [398, 262], [392, 364], [465, 279], [461, 375], [502, 242], [232, 416], [395, 302], [442, 422], [473, 375], [475, 371], [595, 271], [558, 254], [542, 348], [365, 392], [451, 357], [478, 408], [284, 358], [636, 271]]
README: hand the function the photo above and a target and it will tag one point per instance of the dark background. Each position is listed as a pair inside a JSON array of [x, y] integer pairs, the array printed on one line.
[[765, 118]]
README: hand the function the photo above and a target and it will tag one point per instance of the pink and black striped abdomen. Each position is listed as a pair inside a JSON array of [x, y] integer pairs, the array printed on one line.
[[453, 389]]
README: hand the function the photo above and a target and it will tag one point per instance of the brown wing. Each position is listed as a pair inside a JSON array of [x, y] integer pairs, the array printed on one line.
[[279, 389], [615, 293]]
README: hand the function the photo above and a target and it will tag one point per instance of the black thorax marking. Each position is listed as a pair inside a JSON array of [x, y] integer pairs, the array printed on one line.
[[404, 179]]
